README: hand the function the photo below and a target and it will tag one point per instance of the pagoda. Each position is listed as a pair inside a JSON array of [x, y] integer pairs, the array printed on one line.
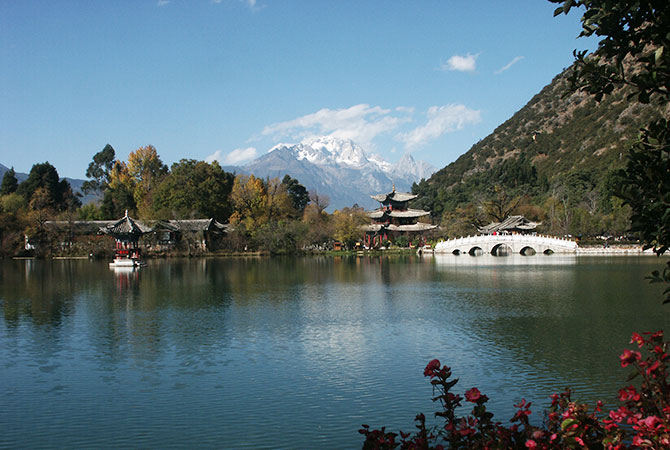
[[126, 233], [394, 219]]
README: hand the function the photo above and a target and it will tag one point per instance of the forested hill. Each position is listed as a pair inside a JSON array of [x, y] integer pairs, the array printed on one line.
[[560, 150]]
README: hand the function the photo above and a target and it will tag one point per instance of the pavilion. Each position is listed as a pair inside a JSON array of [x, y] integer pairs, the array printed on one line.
[[394, 219], [511, 225]]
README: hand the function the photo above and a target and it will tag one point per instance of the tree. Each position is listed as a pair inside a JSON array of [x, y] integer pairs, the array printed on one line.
[[635, 53], [119, 193], [634, 50], [146, 170], [45, 176], [99, 169], [318, 223], [347, 225], [298, 194], [194, 189], [279, 204], [249, 200], [9, 182], [499, 204], [320, 202]]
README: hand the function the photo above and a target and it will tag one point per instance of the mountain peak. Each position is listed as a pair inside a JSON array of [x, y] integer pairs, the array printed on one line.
[[339, 168]]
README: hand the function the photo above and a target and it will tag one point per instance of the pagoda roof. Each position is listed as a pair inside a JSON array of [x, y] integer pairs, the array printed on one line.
[[190, 225], [419, 226], [126, 226], [394, 196], [408, 213], [510, 224]]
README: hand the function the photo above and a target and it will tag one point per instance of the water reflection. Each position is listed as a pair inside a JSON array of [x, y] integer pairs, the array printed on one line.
[[201, 350]]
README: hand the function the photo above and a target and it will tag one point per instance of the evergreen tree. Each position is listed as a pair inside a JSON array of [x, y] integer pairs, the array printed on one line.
[[9, 182], [99, 169], [298, 194]]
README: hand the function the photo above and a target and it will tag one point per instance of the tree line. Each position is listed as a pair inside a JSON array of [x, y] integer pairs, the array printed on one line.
[[266, 214]]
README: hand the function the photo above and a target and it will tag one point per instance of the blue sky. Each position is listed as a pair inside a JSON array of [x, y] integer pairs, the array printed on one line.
[[229, 79]]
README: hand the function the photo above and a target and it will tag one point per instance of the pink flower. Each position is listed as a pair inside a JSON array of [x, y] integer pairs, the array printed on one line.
[[473, 395], [531, 444], [650, 422], [431, 368], [628, 357], [580, 441]]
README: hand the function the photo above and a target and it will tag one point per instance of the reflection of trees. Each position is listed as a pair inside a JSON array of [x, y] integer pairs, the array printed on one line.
[[548, 326], [37, 290]]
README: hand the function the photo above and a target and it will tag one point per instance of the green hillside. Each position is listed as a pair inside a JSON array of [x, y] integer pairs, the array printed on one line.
[[555, 160]]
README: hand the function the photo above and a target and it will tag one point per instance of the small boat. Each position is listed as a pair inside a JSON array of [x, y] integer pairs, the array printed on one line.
[[127, 259]]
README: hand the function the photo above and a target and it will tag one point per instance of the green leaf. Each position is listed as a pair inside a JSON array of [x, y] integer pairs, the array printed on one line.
[[658, 54], [566, 423]]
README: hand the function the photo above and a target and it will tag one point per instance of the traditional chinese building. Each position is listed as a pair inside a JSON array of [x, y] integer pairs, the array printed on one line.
[[394, 219], [511, 225], [126, 233]]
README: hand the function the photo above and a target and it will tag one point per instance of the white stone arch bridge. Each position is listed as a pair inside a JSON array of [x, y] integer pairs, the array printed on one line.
[[524, 244]]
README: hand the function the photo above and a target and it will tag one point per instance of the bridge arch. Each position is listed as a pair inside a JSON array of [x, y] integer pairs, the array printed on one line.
[[518, 243], [548, 251], [502, 249], [527, 251], [476, 251]]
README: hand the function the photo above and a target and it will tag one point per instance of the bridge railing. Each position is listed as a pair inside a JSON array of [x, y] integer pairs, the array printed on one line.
[[501, 238]]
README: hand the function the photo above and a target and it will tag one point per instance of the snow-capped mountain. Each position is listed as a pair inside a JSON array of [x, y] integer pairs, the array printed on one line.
[[340, 169]]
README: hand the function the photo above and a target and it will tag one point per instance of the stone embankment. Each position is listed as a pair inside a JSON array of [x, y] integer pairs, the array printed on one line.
[[613, 250]]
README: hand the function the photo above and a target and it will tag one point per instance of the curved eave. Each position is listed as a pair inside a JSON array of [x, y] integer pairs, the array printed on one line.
[[414, 227]]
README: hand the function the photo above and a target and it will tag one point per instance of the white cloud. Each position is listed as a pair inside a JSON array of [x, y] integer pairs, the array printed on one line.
[[460, 63], [361, 123], [441, 120], [163, 2], [508, 65], [237, 156], [251, 4]]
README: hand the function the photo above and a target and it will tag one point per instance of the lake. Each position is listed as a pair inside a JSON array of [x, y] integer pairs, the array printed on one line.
[[299, 352]]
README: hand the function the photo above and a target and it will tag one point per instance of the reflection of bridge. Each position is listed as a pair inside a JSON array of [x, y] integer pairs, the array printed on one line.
[[524, 244]]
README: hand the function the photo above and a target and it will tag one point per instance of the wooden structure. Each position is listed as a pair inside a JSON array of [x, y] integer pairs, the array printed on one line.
[[511, 225], [196, 233], [126, 233], [394, 219]]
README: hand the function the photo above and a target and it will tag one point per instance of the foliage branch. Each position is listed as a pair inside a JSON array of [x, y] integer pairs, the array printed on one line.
[[641, 420]]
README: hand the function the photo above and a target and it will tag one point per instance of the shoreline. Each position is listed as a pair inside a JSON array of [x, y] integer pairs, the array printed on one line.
[[627, 250]]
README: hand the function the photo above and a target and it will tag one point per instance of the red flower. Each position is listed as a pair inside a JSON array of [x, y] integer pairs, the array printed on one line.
[[431, 368], [628, 357], [629, 393], [653, 367], [531, 444], [637, 339], [473, 395]]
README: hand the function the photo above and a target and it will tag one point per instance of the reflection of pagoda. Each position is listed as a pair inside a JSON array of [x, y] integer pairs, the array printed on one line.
[[394, 219]]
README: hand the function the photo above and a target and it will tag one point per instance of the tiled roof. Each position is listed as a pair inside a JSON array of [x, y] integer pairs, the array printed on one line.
[[511, 223], [395, 196], [379, 213], [419, 226], [126, 225]]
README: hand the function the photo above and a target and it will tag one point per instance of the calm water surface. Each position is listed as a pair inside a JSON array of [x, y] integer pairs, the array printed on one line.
[[298, 353]]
